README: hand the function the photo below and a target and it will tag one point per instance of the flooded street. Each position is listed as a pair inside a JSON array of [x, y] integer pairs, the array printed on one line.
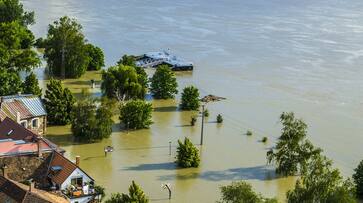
[[265, 57]]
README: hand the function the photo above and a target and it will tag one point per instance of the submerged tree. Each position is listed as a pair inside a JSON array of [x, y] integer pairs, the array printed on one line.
[[122, 82], [293, 150], [187, 154], [89, 122], [127, 60], [358, 179], [66, 50], [321, 183], [10, 82], [190, 98], [58, 103], [163, 83], [136, 114], [242, 192], [97, 59], [136, 195], [31, 85]]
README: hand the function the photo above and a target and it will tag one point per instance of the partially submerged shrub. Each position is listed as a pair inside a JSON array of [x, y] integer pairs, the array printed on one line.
[[219, 118], [193, 121], [264, 139], [249, 133]]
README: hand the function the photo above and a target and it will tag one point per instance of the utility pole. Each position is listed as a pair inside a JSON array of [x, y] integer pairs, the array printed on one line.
[[201, 133]]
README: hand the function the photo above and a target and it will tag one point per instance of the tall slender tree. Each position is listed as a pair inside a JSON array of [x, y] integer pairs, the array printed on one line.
[[31, 85]]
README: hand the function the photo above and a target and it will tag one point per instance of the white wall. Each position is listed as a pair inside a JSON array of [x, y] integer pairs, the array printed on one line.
[[82, 199], [75, 174]]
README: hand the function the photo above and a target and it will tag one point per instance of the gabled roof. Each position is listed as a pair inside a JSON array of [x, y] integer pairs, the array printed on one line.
[[67, 168], [20, 193], [28, 106], [10, 129]]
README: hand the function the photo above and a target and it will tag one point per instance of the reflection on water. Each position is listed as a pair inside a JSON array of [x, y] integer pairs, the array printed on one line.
[[264, 56]]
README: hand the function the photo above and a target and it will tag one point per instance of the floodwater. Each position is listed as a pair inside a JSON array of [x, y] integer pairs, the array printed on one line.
[[264, 56]]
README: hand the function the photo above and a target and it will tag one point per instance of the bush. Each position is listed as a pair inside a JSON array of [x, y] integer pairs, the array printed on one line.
[[358, 179], [219, 118], [136, 195], [249, 133], [190, 98], [100, 190], [193, 121], [163, 83], [136, 114], [58, 103], [206, 113], [187, 154], [242, 192], [264, 139]]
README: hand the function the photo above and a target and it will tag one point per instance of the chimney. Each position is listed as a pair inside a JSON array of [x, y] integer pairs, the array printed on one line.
[[18, 117], [39, 147], [5, 171], [19, 93], [78, 160]]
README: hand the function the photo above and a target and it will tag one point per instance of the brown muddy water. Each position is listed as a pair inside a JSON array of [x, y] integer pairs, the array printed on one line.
[[265, 57]]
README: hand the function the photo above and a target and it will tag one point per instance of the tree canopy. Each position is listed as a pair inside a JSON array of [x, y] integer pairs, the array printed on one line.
[[127, 60], [66, 50], [96, 56], [136, 114], [12, 10], [358, 179], [293, 150], [190, 98], [10, 82], [321, 183], [136, 195], [58, 103], [31, 85], [187, 154], [122, 83], [242, 192], [163, 83], [90, 123]]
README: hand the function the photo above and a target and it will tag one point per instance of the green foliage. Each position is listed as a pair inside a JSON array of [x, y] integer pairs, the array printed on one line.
[[358, 179], [206, 113], [242, 192], [40, 43], [97, 59], [190, 98], [136, 195], [122, 83], [65, 38], [12, 10], [249, 133], [320, 183], [293, 150], [58, 103], [163, 83], [219, 118], [187, 154], [88, 122], [136, 114], [264, 139], [10, 82], [142, 77], [100, 190], [31, 85], [193, 121], [127, 60], [15, 48]]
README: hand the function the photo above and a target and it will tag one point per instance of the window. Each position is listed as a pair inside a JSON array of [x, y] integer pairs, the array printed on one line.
[[78, 182], [35, 123], [24, 123]]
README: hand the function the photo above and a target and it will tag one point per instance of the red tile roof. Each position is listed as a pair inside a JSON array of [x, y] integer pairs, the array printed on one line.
[[18, 131], [67, 168]]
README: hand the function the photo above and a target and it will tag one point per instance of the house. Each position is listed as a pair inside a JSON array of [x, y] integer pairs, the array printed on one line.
[[27, 110], [69, 178], [14, 192]]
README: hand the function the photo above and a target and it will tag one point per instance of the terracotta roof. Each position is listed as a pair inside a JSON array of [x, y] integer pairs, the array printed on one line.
[[20, 193], [67, 168], [18, 131]]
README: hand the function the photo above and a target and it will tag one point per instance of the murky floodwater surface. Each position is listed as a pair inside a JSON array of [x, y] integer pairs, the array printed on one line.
[[264, 56]]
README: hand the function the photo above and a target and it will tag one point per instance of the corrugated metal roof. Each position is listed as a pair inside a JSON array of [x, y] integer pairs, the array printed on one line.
[[18, 106], [34, 105]]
